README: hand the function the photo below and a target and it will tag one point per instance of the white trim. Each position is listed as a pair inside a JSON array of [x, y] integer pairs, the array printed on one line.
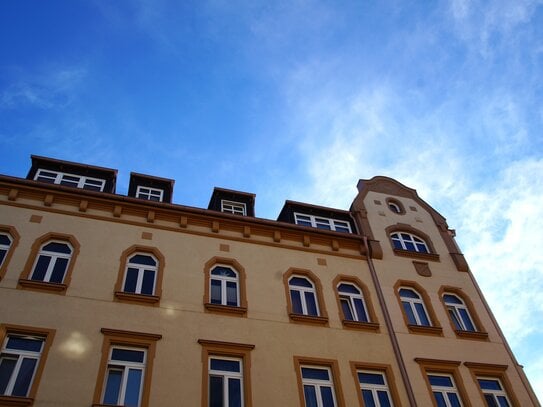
[[494, 393], [143, 192], [80, 182], [303, 291], [319, 383], [124, 367], [54, 256], [412, 302], [226, 375], [445, 390], [142, 268], [455, 309], [350, 297], [236, 208], [413, 240], [321, 222], [374, 388]]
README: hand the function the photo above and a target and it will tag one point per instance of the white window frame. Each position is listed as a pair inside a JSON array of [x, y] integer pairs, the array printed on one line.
[[350, 297], [141, 272], [233, 207], [54, 257], [5, 247], [224, 280], [413, 239], [412, 302], [374, 388], [455, 309], [226, 375], [444, 390], [303, 291], [20, 355], [146, 193], [81, 183], [125, 366], [318, 383], [331, 224], [494, 393], [394, 207]]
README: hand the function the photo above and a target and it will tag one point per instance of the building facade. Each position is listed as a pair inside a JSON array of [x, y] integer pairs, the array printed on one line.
[[132, 300]]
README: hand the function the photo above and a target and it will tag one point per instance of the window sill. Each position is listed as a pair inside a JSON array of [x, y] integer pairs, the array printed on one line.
[[225, 309], [408, 253], [308, 319], [425, 330], [137, 298], [42, 286], [9, 401], [480, 336], [363, 326]]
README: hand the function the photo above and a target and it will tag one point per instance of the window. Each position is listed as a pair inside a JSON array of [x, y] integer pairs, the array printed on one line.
[[303, 296], [5, 244], [409, 242], [236, 208], [70, 180], [322, 223], [22, 358], [352, 302], [150, 194], [124, 376], [9, 238], [226, 374], [458, 312], [224, 286], [493, 392], [395, 206], [318, 386], [444, 390], [52, 262], [374, 388], [414, 307]]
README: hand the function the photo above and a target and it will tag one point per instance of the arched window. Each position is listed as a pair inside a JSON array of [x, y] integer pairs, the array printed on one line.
[[414, 307], [409, 242], [352, 302], [224, 286], [5, 243], [141, 274], [459, 313], [52, 262], [303, 296]]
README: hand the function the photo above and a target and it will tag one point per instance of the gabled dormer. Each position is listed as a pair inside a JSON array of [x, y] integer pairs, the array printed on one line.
[[319, 217], [150, 188], [233, 202], [71, 174]]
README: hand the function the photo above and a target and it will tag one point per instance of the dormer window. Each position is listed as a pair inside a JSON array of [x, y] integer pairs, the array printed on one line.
[[322, 223], [70, 180], [150, 194], [236, 208]]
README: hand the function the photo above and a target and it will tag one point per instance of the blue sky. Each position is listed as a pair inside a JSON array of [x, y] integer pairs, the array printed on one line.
[[298, 100]]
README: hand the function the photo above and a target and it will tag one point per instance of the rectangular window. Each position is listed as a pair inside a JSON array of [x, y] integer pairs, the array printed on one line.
[[374, 388], [236, 208], [493, 392], [322, 223], [70, 180], [444, 390], [318, 386], [225, 382], [124, 376], [150, 194]]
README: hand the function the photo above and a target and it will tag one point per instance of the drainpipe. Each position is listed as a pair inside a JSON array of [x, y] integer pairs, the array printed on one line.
[[388, 322]]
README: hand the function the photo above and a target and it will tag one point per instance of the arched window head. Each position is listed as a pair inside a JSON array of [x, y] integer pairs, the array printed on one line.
[[414, 307], [352, 302], [303, 296], [224, 286], [409, 242], [458, 312], [52, 262], [141, 274]]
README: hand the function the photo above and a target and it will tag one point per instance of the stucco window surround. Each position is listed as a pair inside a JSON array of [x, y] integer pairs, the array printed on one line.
[[435, 328], [241, 309], [47, 335], [318, 363], [395, 206], [443, 367], [146, 299], [385, 370], [25, 280], [126, 339], [492, 371], [402, 227], [7, 252], [219, 349], [372, 324], [479, 333], [322, 317]]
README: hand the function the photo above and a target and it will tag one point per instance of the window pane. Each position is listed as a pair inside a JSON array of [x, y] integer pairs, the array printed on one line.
[[57, 276], [24, 377], [443, 381], [371, 378], [409, 246], [128, 355], [310, 396], [489, 384], [6, 370], [131, 280], [422, 315], [223, 271], [455, 319], [2, 255], [41, 268], [234, 392], [133, 384], [346, 307], [503, 401], [225, 365], [327, 397], [92, 187], [142, 259], [311, 304], [57, 247], [312, 373], [215, 391], [28, 344], [148, 284], [216, 292], [406, 293], [296, 302], [4, 239], [231, 293], [303, 222], [113, 386], [451, 299], [348, 288], [453, 398], [421, 247], [368, 398], [409, 313], [397, 244], [360, 310], [300, 282], [466, 319], [323, 226], [440, 400], [384, 400]]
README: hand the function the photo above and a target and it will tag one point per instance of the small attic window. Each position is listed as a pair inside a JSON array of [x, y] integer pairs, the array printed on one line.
[[395, 206], [236, 208], [150, 194]]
